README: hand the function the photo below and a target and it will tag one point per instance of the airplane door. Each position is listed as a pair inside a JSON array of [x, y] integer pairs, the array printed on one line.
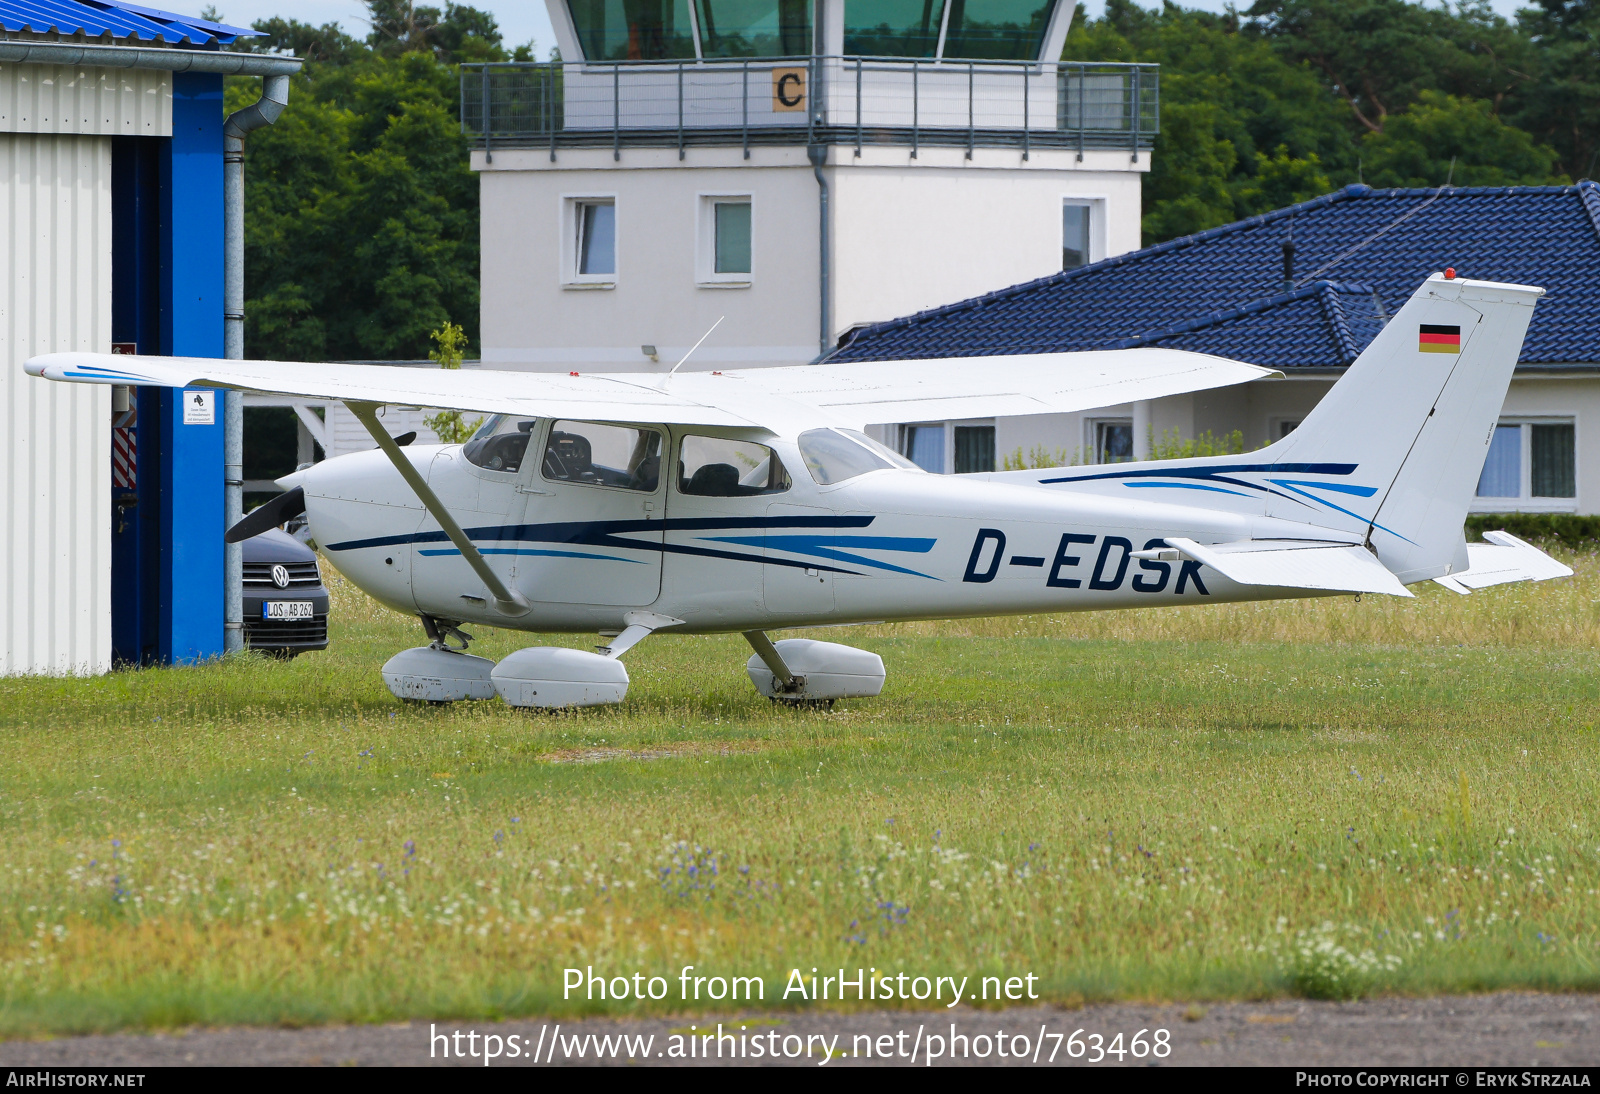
[[717, 511], [591, 528], [790, 586]]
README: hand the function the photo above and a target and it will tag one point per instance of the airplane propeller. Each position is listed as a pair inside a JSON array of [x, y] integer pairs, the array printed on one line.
[[285, 506]]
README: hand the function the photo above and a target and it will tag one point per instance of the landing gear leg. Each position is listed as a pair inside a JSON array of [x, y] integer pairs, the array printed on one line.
[[440, 631]]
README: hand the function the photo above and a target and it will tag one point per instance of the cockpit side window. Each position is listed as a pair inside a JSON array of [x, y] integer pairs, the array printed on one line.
[[835, 455], [591, 454], [723, 467], [500, 444]]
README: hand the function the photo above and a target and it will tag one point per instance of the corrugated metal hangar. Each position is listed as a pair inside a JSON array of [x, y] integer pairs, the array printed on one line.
[[112, 188]]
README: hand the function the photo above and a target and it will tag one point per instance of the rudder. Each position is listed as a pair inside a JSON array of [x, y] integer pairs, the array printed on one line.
[[1416, 412]]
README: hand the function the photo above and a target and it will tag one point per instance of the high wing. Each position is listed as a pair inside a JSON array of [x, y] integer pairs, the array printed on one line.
[[541, 395], [866, 392], [781, 399]]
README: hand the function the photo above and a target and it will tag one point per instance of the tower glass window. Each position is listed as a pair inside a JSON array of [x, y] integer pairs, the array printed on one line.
[[1001, 30], [597, 238], [1074, 235], [633, 30], [733, 237], [754, 28], [892, 28]]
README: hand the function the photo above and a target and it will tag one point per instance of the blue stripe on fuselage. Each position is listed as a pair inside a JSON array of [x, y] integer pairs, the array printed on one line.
[[609, 534]]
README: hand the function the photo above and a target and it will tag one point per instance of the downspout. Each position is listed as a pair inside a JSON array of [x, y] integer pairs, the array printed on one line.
[[263, 112], [819, 156]]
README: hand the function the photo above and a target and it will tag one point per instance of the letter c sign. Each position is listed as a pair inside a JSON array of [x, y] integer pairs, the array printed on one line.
[[788, 89]]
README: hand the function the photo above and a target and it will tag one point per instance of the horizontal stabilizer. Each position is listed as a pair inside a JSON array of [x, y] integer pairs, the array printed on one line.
[[1296, 564], [1504, 558]]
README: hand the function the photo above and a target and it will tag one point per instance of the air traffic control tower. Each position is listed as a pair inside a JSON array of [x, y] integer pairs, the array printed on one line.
[[800, 167]]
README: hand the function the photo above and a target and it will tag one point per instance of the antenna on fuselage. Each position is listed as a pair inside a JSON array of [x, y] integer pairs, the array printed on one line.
[[696, 346]]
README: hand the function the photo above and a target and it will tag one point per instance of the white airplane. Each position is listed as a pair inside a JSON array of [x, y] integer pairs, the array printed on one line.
[[775, 511]]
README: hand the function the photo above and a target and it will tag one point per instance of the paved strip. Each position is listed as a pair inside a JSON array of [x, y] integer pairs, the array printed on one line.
[[1506, 1029]]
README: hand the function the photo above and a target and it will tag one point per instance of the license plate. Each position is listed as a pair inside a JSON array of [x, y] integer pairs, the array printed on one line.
[[286, 609]]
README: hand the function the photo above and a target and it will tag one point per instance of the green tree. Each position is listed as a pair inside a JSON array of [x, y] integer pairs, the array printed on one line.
[[457, 33], [448, 425], [1379, 56], [1279, 180], [361, 231], [1189, 191], [1242, 128], [322, 45], [1460, 140], [1561, 105]]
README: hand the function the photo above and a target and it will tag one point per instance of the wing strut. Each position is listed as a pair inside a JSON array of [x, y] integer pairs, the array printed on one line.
[[507, 601]]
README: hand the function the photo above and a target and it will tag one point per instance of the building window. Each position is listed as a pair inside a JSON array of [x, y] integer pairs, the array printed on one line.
[[1282, 427], [597, 238], [726, 244], [923, 445], [1076, 221], [974, 448], [732, 229], [1530, 465], [943, 447], [1112, 440], [589, 256]]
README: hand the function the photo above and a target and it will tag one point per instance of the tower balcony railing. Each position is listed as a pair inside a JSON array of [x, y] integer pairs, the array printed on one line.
[[855, 101]]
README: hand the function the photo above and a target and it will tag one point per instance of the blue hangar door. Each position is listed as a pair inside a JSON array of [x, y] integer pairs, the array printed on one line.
[[166, 298]]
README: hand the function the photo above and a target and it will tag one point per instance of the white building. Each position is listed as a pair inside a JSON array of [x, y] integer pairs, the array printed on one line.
[[1305, 289], [795, 170]]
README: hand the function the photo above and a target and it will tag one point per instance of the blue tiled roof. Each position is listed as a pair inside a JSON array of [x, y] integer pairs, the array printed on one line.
[[120, 20], [1359, 254]]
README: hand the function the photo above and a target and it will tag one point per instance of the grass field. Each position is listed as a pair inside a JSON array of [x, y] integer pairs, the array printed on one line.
[[1325, 798]]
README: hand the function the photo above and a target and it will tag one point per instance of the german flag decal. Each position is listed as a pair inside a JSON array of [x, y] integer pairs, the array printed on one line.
[[1434, 338]]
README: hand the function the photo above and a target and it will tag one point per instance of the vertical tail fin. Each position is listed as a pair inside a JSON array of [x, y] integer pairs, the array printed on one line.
[[1415, 414]]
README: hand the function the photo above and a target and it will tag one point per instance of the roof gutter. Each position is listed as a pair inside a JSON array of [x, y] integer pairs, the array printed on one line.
[[258, 115], [169, 60]]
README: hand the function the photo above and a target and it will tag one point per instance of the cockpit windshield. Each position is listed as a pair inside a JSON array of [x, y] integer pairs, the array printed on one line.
[[835, 455], [500, 443]]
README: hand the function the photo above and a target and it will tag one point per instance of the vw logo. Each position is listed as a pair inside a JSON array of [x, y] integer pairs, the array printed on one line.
[[280, 577]]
